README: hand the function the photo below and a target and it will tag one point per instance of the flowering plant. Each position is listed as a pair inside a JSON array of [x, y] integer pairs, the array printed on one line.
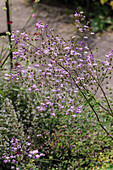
[[52, 94]]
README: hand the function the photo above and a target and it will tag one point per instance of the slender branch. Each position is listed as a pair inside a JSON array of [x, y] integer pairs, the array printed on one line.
[[95, 99], [5, 60], [103, 77], [10, 31], [103, 94]]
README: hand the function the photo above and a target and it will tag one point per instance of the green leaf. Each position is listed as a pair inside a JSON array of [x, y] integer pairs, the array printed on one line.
[[1, 92], [108, 20], [16, 89]]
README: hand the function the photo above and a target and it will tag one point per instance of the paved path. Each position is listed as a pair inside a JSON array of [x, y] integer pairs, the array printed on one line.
[[56, 18]]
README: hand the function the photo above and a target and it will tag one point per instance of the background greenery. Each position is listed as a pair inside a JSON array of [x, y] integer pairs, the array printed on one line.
[[99, 13]]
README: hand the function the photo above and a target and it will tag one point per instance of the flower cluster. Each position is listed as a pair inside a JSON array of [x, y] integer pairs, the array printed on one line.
[[15, 155], [35, 154]]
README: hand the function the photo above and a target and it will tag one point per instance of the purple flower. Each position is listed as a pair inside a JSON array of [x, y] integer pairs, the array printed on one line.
[[36, 65], [42, 154], [13, 161], [30, 156], [37, 156], [33, 152], [5, 161], [79, 109], [53, 114]]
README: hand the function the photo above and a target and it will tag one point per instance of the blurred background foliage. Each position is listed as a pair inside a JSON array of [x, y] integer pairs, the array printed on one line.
[[98, 12]]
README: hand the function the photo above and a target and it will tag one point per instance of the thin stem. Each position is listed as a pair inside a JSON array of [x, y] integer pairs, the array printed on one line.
[[94, 112], [5, 60], [102, 79], [10, 31], [103, 94], [95, 99]]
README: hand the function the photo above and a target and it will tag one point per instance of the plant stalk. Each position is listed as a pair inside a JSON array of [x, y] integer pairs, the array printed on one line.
[[10, 31]]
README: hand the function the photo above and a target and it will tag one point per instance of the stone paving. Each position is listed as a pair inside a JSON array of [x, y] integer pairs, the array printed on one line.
[[57, 18]]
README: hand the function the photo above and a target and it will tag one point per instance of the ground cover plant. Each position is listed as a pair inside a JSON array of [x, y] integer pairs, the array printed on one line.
[[50, 115]]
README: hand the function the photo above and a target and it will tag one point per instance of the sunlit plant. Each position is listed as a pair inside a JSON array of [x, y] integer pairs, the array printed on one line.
[[53, 95]]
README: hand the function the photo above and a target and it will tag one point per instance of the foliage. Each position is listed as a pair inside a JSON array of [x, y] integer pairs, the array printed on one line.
[[50, 117]]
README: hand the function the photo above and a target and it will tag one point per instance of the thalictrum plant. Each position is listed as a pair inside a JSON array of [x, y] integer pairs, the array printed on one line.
[[52, 93]]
